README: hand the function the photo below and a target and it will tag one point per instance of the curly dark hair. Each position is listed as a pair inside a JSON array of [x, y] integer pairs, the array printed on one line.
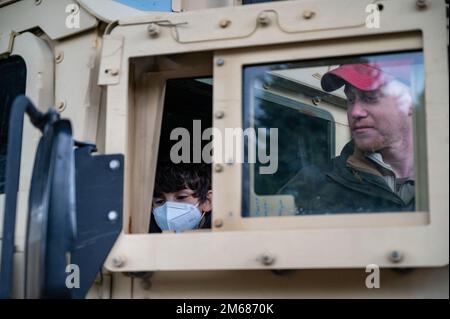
[[171, 178]]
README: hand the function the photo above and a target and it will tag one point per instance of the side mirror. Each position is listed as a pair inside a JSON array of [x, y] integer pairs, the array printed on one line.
[[74, 208]]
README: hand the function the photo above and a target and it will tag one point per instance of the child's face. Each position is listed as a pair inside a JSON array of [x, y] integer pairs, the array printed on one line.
[[183, 196]]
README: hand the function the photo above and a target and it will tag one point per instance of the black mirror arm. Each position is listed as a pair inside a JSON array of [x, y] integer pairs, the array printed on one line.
[[20, 106]]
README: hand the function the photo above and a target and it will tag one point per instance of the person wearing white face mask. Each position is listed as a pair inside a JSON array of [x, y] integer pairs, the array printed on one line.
[[182, 199], [375, 170]]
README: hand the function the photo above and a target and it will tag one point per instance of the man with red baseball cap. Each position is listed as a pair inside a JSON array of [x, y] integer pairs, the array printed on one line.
[[375, 170], [367, 76]]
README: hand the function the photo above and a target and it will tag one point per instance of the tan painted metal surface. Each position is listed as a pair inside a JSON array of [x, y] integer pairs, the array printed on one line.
[[122, 108]]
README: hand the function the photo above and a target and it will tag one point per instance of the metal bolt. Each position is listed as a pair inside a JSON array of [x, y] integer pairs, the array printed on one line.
[[218, 168], [224, 23], [59, 57], [114, 165], [263, 18], [113, 72], [118, 261], [153, 29], [61, 106], [219, 114], [316, 100], [267, 259], [37, 2], [220, 62], [218, 223], [113, 215], [307, 14], [396, 256], [422, 4]]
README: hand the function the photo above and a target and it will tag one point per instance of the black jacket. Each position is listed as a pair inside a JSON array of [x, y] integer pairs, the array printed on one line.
[[338, 188]]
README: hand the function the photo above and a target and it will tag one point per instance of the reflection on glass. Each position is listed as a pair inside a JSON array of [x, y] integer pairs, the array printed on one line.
[[345, 128]]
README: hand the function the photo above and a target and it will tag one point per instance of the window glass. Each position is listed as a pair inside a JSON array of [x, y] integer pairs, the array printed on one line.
[[332, 136], [12, 84]]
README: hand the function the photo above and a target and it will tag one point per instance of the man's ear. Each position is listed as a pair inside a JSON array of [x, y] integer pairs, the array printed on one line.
[[206, 206]]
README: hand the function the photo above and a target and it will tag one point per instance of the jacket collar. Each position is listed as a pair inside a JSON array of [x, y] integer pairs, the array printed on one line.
[[360, 162], [352, 177]]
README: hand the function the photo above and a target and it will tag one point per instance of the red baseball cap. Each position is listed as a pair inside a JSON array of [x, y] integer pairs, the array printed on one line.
[[366, 76]]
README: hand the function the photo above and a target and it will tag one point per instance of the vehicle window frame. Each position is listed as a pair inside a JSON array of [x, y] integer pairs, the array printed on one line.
[[236, 61], [145, 126]]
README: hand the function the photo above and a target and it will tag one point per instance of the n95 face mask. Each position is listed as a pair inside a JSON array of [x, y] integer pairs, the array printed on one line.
[[177, 217]]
